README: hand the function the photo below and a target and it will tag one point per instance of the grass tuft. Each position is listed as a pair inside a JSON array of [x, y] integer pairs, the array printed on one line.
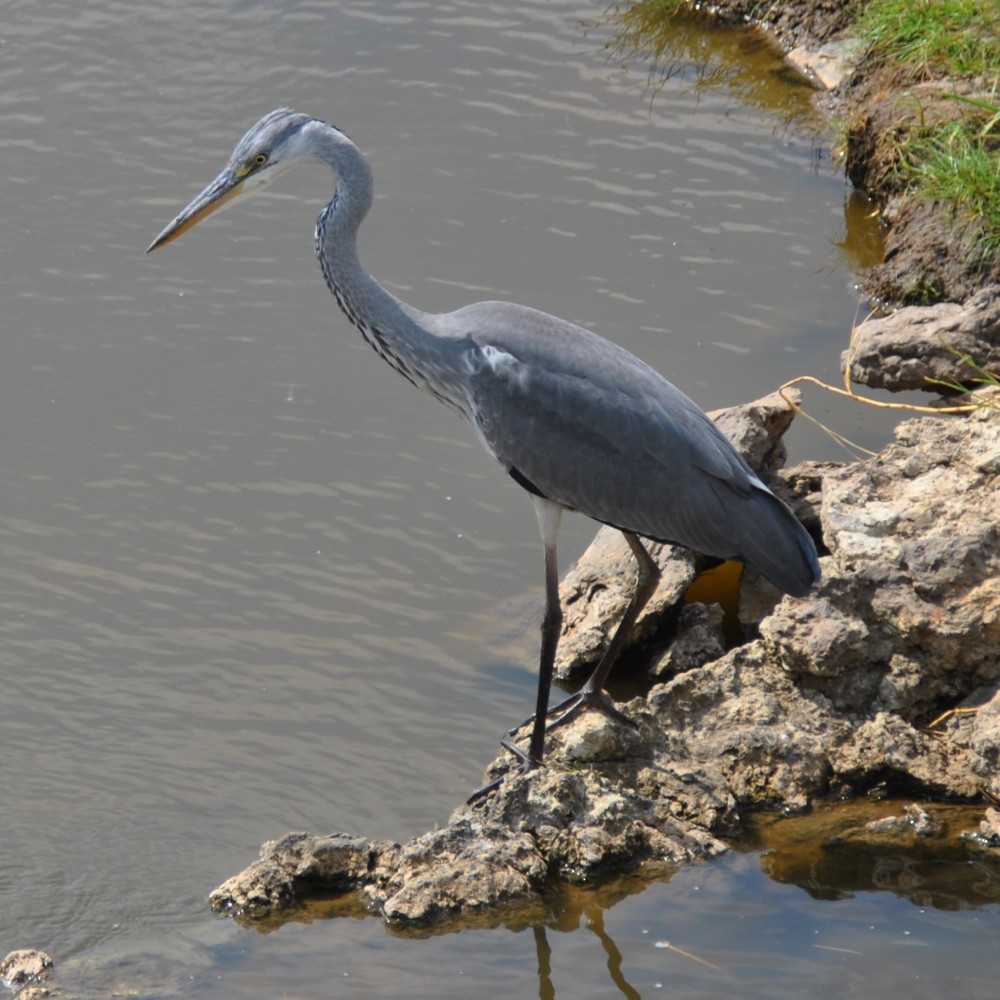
[[957, 162], [934, 37]]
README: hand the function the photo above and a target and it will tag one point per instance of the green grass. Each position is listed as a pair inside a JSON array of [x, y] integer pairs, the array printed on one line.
[[977, 378], [957, 163], [934, 37]]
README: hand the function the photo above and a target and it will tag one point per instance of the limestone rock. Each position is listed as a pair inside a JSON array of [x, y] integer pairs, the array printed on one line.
[[336, 862], [24, 966], [597, 590], [918, 343], [700, 639], [828, 64], [988, 833], [908, 618]]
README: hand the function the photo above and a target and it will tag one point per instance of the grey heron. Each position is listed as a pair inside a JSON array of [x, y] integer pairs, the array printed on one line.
[[577, 421]]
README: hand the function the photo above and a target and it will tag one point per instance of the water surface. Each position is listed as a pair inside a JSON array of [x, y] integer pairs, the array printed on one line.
[[251, 580]]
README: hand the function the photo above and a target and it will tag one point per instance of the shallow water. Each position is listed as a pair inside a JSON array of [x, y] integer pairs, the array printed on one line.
[[250, 580]]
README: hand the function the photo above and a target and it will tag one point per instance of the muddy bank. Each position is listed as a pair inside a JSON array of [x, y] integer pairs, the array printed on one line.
[[931, 252]]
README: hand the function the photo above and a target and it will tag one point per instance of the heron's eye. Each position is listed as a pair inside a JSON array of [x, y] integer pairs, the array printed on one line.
[[260, 159]]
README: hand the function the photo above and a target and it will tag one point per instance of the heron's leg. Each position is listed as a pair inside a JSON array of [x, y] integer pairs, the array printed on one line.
[[551, 628], [549, 516], [527, 764], [591, 695], [647, 581]]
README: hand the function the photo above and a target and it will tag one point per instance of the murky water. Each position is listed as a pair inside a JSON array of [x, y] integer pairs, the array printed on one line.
[[250, 580]]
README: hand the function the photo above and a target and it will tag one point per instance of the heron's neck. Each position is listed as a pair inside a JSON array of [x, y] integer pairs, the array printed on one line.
[[396, 330]]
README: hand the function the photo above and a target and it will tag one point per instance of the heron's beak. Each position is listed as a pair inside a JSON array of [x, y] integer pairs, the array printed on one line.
[[223, 189]]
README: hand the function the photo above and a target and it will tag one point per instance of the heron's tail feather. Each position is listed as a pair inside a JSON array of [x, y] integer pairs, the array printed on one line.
[[774, 542]]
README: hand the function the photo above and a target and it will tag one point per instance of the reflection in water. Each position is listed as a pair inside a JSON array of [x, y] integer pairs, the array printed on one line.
[[862, 244], [836, 851], [543, 954], [572, 906], [747, 64], [595, 922]]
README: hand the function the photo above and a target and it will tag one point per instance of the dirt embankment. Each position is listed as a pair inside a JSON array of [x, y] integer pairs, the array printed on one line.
[[931, 251]]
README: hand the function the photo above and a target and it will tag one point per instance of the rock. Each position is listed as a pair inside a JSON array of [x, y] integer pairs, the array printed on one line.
[[463, 868], [756, 430], [337, 861], [915, 821], [597, 590], [980, 728], [916, 344], [913, 579], [828, 64], [988, 834], [801, 487], [907, 620], [24, 966], [700, 638], [546, 824]]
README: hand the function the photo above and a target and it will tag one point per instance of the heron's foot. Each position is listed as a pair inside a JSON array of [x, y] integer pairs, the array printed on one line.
[[555, 710], [527, 763], [566, 711], [569, 709]]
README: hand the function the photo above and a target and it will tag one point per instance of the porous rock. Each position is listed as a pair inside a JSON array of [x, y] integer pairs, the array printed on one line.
[[700, 639], [335, 861], [24, 966], [988, 833], [916, 345]]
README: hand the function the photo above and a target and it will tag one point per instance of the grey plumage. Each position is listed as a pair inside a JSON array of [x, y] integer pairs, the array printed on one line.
[[578, 421], [596, 430]]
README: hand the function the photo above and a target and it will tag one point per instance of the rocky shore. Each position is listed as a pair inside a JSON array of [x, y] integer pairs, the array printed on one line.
[[885, 678]]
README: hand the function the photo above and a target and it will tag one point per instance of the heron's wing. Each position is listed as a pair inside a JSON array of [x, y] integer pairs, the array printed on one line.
[[593, 427], [585, 423]]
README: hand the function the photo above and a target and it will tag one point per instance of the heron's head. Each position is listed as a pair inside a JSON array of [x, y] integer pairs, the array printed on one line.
[[273, 145]]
